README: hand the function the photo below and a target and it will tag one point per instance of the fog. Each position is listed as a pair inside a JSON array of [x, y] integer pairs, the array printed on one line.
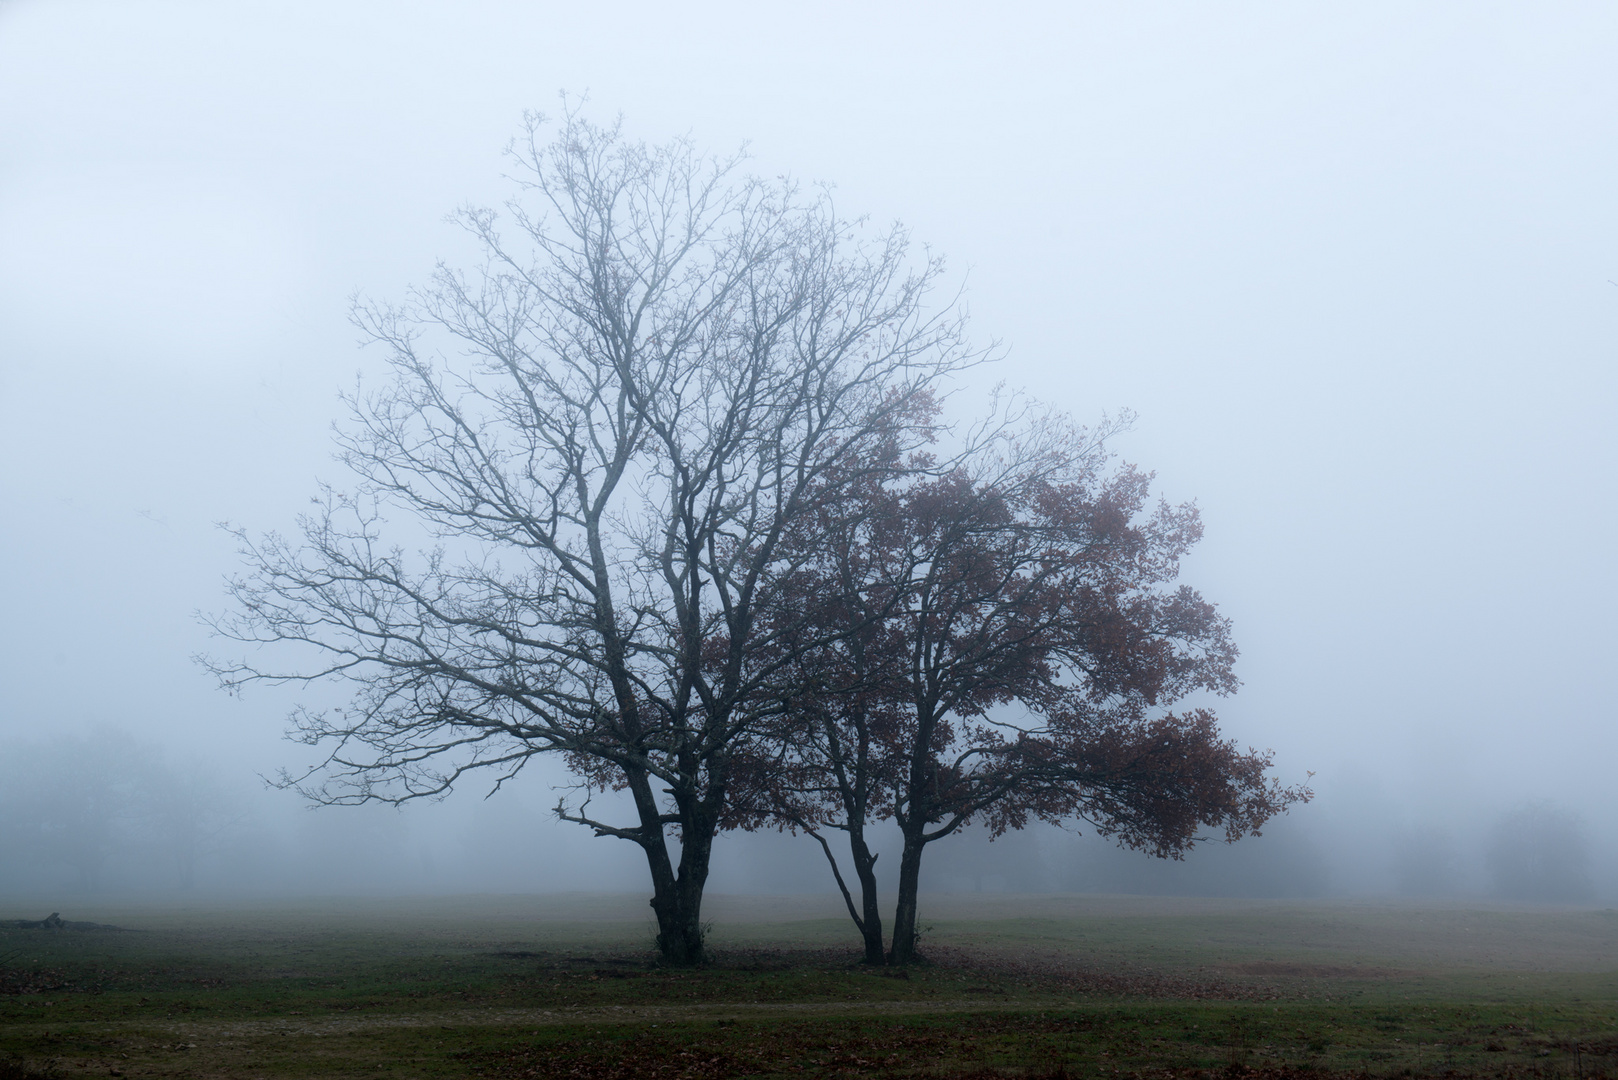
[[1353, 269]]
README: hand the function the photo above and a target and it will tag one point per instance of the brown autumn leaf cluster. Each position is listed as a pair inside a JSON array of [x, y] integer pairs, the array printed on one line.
[[1003, 640]]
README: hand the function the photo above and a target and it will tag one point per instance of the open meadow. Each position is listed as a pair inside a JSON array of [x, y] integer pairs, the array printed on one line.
[[567, 986]]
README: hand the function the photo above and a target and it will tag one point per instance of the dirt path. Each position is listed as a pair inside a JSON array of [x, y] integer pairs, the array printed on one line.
[[349, 1045], [200, 1031]]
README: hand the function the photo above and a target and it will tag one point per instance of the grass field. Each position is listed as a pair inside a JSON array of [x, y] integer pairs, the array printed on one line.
[[565, 986]]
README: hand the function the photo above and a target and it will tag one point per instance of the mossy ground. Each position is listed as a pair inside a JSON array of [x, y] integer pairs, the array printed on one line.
[[566, 987]]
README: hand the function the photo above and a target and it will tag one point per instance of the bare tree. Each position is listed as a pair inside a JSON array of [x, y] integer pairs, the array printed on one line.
[[608, 428]]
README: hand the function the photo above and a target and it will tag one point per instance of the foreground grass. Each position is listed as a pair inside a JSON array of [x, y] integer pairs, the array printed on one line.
[[1070, 987]]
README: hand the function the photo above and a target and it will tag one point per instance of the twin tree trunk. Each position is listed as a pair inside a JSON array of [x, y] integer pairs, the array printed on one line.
[[869, 917]]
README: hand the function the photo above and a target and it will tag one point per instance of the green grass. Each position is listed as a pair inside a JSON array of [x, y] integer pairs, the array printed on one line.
[[566, 986]]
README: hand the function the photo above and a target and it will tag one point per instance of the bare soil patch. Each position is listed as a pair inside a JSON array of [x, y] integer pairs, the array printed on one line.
[[1271, 969]]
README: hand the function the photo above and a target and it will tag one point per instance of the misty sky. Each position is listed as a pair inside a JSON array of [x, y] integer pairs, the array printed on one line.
[[1352, 265]]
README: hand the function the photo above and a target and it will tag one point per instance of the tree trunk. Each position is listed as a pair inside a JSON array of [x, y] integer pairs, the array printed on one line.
[[904, 915], [676, 899], [682, 942], [679, 925], [871, 912], [679, 920]]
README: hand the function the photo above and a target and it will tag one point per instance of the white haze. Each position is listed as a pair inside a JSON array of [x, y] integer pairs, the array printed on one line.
[[1352, 266]]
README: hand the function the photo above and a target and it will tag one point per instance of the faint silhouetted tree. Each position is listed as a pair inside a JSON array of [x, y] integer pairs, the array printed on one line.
[[1539, 852], [1002, 643], [189, 814], [74, 802], [660, 370]]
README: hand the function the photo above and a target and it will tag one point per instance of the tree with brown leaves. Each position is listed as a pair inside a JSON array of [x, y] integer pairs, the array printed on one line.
[[1000, 642]]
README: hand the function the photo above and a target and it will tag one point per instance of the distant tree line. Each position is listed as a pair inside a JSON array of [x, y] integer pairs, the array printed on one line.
[[699, 525], [76, 808], [104, 812]]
